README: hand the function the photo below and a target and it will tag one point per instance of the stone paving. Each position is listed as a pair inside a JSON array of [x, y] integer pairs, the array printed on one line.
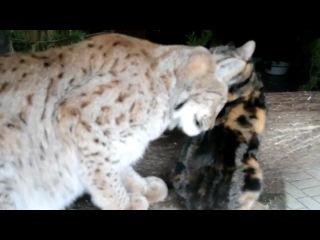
[[302, 190]]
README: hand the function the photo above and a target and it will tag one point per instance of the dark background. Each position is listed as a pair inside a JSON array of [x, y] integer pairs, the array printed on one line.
[[273, 43]]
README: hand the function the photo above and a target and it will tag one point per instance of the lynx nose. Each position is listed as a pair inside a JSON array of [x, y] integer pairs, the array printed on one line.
[[205, 123]]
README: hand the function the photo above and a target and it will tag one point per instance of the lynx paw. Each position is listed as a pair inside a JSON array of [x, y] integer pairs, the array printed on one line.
[[157, 189], [138, 202]]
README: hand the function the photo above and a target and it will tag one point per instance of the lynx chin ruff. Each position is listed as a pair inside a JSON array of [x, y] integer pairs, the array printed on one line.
[[75, 119]]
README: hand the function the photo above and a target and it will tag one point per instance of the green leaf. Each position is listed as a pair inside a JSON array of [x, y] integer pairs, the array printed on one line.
[[194, 40]]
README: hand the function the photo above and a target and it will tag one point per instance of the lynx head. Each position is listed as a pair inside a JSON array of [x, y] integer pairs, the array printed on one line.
[[203, 84]]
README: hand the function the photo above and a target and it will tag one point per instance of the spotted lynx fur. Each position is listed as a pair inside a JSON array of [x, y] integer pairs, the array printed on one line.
[[75, 119]]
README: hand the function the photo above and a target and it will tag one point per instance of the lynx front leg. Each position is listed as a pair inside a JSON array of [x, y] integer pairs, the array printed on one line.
[[107, 190], [153, 188], [6, 200]]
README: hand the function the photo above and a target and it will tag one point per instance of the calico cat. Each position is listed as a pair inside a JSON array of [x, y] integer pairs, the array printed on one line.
[[218, 169]]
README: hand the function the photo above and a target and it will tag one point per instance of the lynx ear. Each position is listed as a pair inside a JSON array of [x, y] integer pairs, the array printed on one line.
[[246, 51], [228, 69], [199, 64]]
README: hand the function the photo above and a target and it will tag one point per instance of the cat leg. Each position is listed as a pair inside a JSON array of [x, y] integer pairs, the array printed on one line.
[[107, 191], [253, 177], [153, 188]]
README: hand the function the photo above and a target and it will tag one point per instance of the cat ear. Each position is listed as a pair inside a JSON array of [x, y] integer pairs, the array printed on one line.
[[227, 69], [246, 50], [231, 44]]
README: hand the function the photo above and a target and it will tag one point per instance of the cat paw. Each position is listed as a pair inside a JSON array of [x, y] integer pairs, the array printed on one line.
[[247, 200], [157, 189], [138, 202]]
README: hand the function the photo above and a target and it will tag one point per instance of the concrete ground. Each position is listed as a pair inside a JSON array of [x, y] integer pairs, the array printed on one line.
[[295, 185]]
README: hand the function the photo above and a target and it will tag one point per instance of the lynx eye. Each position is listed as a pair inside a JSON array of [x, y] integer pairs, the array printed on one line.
[[198, 124], [180, 105]]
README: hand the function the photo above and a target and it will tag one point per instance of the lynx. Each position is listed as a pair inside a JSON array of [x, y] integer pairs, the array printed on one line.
[[76, 119]]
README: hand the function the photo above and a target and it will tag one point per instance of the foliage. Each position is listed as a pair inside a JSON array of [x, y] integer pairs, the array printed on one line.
[[313, 51], [39, 40], [194, 40]]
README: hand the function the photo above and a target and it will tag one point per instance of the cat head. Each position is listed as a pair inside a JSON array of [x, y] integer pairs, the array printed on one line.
[[225, 57]]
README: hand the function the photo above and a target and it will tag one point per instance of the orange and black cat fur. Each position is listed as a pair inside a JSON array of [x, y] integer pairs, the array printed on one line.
[[219, 169]]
